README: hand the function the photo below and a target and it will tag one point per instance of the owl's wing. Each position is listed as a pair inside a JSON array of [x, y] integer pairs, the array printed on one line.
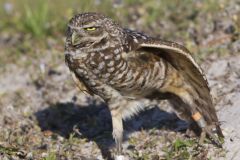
[[80, 84], [181, 59]]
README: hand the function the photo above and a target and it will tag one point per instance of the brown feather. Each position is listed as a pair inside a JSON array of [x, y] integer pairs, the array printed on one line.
[[180, 58], [80, 84]]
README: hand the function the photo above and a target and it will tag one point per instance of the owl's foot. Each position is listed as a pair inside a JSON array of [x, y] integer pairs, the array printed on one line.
[[119, 157], [117, 134], [207, 130]]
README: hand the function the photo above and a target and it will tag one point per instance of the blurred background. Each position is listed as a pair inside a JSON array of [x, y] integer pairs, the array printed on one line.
[[205, 27], [39, 104]]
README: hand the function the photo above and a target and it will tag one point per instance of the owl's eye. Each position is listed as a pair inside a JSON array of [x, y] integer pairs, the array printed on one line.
[[90, 28]]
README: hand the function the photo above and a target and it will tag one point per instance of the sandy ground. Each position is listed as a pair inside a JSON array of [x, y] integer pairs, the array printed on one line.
[[224, 79]]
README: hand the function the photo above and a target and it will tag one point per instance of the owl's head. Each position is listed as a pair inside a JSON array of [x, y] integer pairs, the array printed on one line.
[[92, 32]]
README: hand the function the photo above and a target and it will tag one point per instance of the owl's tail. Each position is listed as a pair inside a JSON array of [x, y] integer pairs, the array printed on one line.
[[205, 115]]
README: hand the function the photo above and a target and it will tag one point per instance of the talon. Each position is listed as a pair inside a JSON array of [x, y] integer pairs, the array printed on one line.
[[202, 137], [119, 148], [119, 157], [213, 137], [206, 130]]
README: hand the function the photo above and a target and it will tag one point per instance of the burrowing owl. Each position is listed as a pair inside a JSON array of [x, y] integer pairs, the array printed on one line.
[[125, 68]]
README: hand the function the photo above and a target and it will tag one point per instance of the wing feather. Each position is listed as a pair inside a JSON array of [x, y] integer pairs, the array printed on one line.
[[80, 84], [181, 59]]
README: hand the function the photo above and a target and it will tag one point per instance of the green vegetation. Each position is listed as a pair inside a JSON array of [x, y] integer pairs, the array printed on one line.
[[8, 150], [36, 21], [48, 18], [181, 149], [51, 156]]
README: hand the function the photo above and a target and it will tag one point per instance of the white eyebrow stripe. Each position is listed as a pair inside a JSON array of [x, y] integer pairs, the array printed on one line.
[[73, 27], [86, 26]]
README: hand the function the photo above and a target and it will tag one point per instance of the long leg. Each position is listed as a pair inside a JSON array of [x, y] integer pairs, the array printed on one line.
[[115, 103], [115, 106], [120, 109], [117, 133]]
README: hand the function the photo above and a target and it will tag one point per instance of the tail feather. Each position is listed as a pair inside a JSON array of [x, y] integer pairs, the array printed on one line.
[[205, 106], [190, 96]]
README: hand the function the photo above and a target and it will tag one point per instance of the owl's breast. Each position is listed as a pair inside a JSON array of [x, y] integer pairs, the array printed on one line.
[[136, 79], [75, 58]]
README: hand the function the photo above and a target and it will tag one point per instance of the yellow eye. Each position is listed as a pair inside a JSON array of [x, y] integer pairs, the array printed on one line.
[[90, 28]]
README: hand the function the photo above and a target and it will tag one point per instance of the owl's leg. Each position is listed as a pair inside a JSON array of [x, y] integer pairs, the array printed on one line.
[[117, 133], [120, 109], [115, 103], [117, 124], [186, 109], [206, 129]]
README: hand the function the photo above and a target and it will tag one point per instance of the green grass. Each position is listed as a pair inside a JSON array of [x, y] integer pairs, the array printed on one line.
[[8, 150], [43, 18], [51, 156], [180, 149], [36, 20]]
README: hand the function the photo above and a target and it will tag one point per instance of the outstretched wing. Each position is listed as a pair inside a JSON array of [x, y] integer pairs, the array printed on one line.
[[181, 59]]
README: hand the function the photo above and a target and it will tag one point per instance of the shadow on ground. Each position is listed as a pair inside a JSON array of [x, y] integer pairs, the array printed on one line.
[[93, 122]]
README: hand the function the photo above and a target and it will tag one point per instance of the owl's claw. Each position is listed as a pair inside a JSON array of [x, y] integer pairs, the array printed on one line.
[[119, 157], [119, 146], [207, 131]]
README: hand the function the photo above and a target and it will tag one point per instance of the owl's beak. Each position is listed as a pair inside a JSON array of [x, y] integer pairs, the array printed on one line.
[[75, 38]]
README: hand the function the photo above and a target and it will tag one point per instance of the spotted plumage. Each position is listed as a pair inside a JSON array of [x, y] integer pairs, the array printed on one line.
[[127, 69]]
